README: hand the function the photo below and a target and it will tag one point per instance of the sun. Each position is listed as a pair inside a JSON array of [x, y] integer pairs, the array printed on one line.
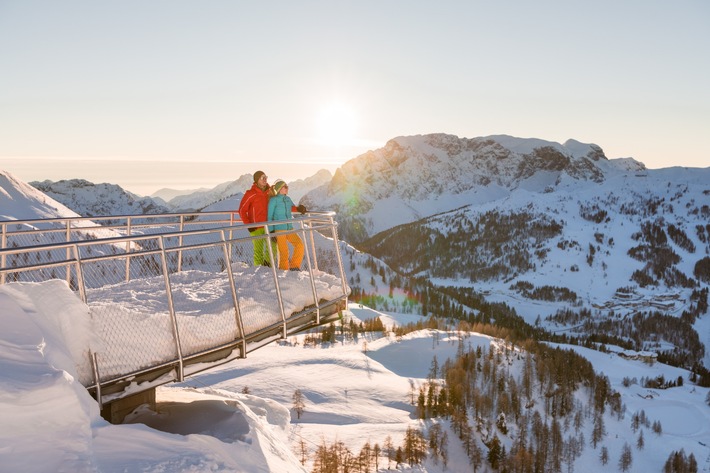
[[336, 125]]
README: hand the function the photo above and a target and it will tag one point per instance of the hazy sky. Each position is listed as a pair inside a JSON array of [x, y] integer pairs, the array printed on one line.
[[138, 92]]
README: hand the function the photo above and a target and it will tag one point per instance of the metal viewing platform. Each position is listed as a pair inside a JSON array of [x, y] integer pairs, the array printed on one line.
[[171, 295]]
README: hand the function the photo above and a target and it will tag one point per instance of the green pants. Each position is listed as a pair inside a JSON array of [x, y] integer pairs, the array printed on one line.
[[261, 251]]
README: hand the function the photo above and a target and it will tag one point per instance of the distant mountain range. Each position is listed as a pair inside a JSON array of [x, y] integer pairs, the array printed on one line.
[[91, 200]]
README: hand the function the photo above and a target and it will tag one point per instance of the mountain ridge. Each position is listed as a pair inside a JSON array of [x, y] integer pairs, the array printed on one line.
[[425, 174], [94, 200]]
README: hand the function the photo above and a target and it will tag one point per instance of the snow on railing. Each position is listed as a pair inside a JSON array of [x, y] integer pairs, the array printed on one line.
[[173, 294]]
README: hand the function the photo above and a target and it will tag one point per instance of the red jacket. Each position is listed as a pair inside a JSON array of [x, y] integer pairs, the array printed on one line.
[[254, 205]]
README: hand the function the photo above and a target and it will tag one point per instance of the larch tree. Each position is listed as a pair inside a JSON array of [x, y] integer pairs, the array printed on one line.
[[298, 404]]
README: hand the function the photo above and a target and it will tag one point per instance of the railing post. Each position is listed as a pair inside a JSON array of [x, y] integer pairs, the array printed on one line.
[[343, 279], [128, 249], [310, 269], [171, 308], [235, 297], [97, 379], [182, 228], [3, 260], [313, 245], [274, 264], [68, 250], [79, 274]]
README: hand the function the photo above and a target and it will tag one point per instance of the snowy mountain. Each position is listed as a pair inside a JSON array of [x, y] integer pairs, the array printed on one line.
[[167, 194], [417, 176], [548, 229], [300, 187], [226, 195], [21, 201], [90, 200], [199, 200], [94, 200]]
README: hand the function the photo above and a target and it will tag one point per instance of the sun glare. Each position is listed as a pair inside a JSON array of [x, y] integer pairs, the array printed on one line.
[[336, 125]]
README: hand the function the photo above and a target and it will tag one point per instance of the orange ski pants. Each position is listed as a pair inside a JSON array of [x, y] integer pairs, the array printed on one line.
[[283, 241]]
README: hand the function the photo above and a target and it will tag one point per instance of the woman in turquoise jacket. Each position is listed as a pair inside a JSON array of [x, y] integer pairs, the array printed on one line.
[[281, 207]]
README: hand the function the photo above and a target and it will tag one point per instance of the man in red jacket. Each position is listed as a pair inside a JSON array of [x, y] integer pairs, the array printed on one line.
[[253, 209]]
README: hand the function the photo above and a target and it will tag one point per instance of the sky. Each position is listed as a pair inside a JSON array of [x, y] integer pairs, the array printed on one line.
[[193, 94]]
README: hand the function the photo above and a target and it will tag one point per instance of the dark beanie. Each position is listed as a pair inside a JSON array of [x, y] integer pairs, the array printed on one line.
[[257, 175]]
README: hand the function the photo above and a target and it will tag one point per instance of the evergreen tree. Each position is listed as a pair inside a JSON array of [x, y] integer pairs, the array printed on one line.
[[476, 455], [604, 455], [657, 429], [640, 442], [495, 452], [625, 459], [598, 430], [678, 463], [444, 449]]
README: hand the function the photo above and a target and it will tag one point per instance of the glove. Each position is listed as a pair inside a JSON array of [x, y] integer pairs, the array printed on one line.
[[302, 208]]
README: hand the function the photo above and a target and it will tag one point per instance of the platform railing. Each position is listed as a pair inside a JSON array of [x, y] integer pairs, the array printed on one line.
[[174, 294]]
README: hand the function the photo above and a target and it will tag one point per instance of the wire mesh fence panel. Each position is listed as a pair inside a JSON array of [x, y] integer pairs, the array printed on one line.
[[203, 300], [239, 251], [133, 320], [36, 264], [105, 272], [20, 236], [37, 275], [256, 288]]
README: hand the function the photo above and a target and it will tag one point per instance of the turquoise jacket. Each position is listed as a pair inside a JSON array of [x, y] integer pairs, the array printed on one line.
[[280, 208]]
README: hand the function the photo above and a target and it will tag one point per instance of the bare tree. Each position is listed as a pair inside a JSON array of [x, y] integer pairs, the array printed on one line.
[[303, 450], [298, 404]]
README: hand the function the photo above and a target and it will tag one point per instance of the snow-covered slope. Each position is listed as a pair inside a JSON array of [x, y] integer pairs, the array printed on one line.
[[241, 417], [51, 423], [95, 200], [20, 201]]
